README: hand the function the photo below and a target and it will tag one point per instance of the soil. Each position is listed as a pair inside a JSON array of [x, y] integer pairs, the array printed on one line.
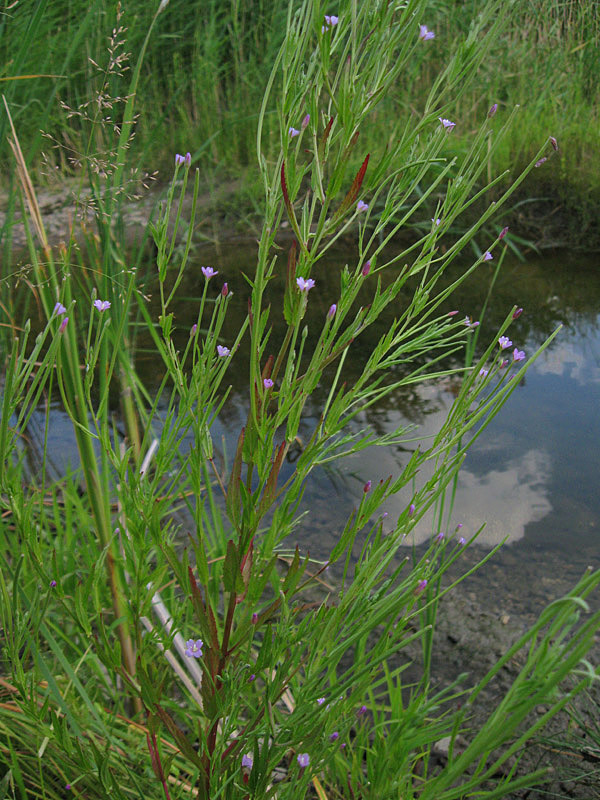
[[477, 623]]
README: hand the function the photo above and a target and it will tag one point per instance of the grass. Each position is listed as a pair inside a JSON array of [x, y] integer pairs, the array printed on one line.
[[160, 637], [201, 90]]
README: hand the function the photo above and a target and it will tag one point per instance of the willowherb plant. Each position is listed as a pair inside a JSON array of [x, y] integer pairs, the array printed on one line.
[[239, 669]]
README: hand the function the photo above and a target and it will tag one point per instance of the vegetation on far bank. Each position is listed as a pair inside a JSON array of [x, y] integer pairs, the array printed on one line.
[[203, 79]]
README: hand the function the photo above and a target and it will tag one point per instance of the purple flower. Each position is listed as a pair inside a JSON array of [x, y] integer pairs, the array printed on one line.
[[320, 701], [188, 159], [421, 586], [361, 206], [446, 123], [102, 305], [252, 678], [305, 285], [517, 313], [367, 487], [63, 325], [554, 143], [209, 272], [293, 132], [452, 313], [366, 269], [504, 342], [59, 310], [303, 760], [492, 110], [518, 355], [439, 537], [503, 363], [268, 383], [179, 160], [462, 540], [541, 161], [52, 584], [470, 324], [193, 648], [436, 221], [333, 736], [425, 34], [254, 618], [247, 760], [330, 22], [411, 509], [487, 256], [362, 710], [503, 233], [225, 290], [222, 351], [332, 310], [483, 373], [193, 329], [305, 121]]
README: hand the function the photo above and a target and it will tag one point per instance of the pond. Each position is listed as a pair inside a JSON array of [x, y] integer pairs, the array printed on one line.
[[531, 478]]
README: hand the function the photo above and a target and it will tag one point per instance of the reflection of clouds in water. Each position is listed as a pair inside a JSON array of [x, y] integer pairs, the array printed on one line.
[[568, 359], [506, 500]]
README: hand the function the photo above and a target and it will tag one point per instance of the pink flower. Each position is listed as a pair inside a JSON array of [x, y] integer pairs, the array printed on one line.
[[179, 159], [446, 123], [366, 269], [222, 351], [188, 159], [425, 34], [63, 325], [330, 22], [268, 383], [193, 648], [209, 272], [101, 305], [518, 355], [361, 206], [305, 284], [517, 313], [504, 342]]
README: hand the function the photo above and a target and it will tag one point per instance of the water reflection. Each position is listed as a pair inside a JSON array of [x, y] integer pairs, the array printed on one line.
[[533, 475]]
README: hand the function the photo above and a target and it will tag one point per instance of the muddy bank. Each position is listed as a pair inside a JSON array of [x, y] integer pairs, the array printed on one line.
[[544, 223], [478, 621]]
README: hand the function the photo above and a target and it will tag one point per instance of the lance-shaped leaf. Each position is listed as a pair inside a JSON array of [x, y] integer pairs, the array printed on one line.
[[323, 139], [232, 577], [289, 207], [180, 737], [271, 486], [206, 618], [233, 490], [246, 570], [294, 573], [350, 198]]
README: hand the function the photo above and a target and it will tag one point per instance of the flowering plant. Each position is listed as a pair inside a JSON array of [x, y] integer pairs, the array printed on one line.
[[230, 664]]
